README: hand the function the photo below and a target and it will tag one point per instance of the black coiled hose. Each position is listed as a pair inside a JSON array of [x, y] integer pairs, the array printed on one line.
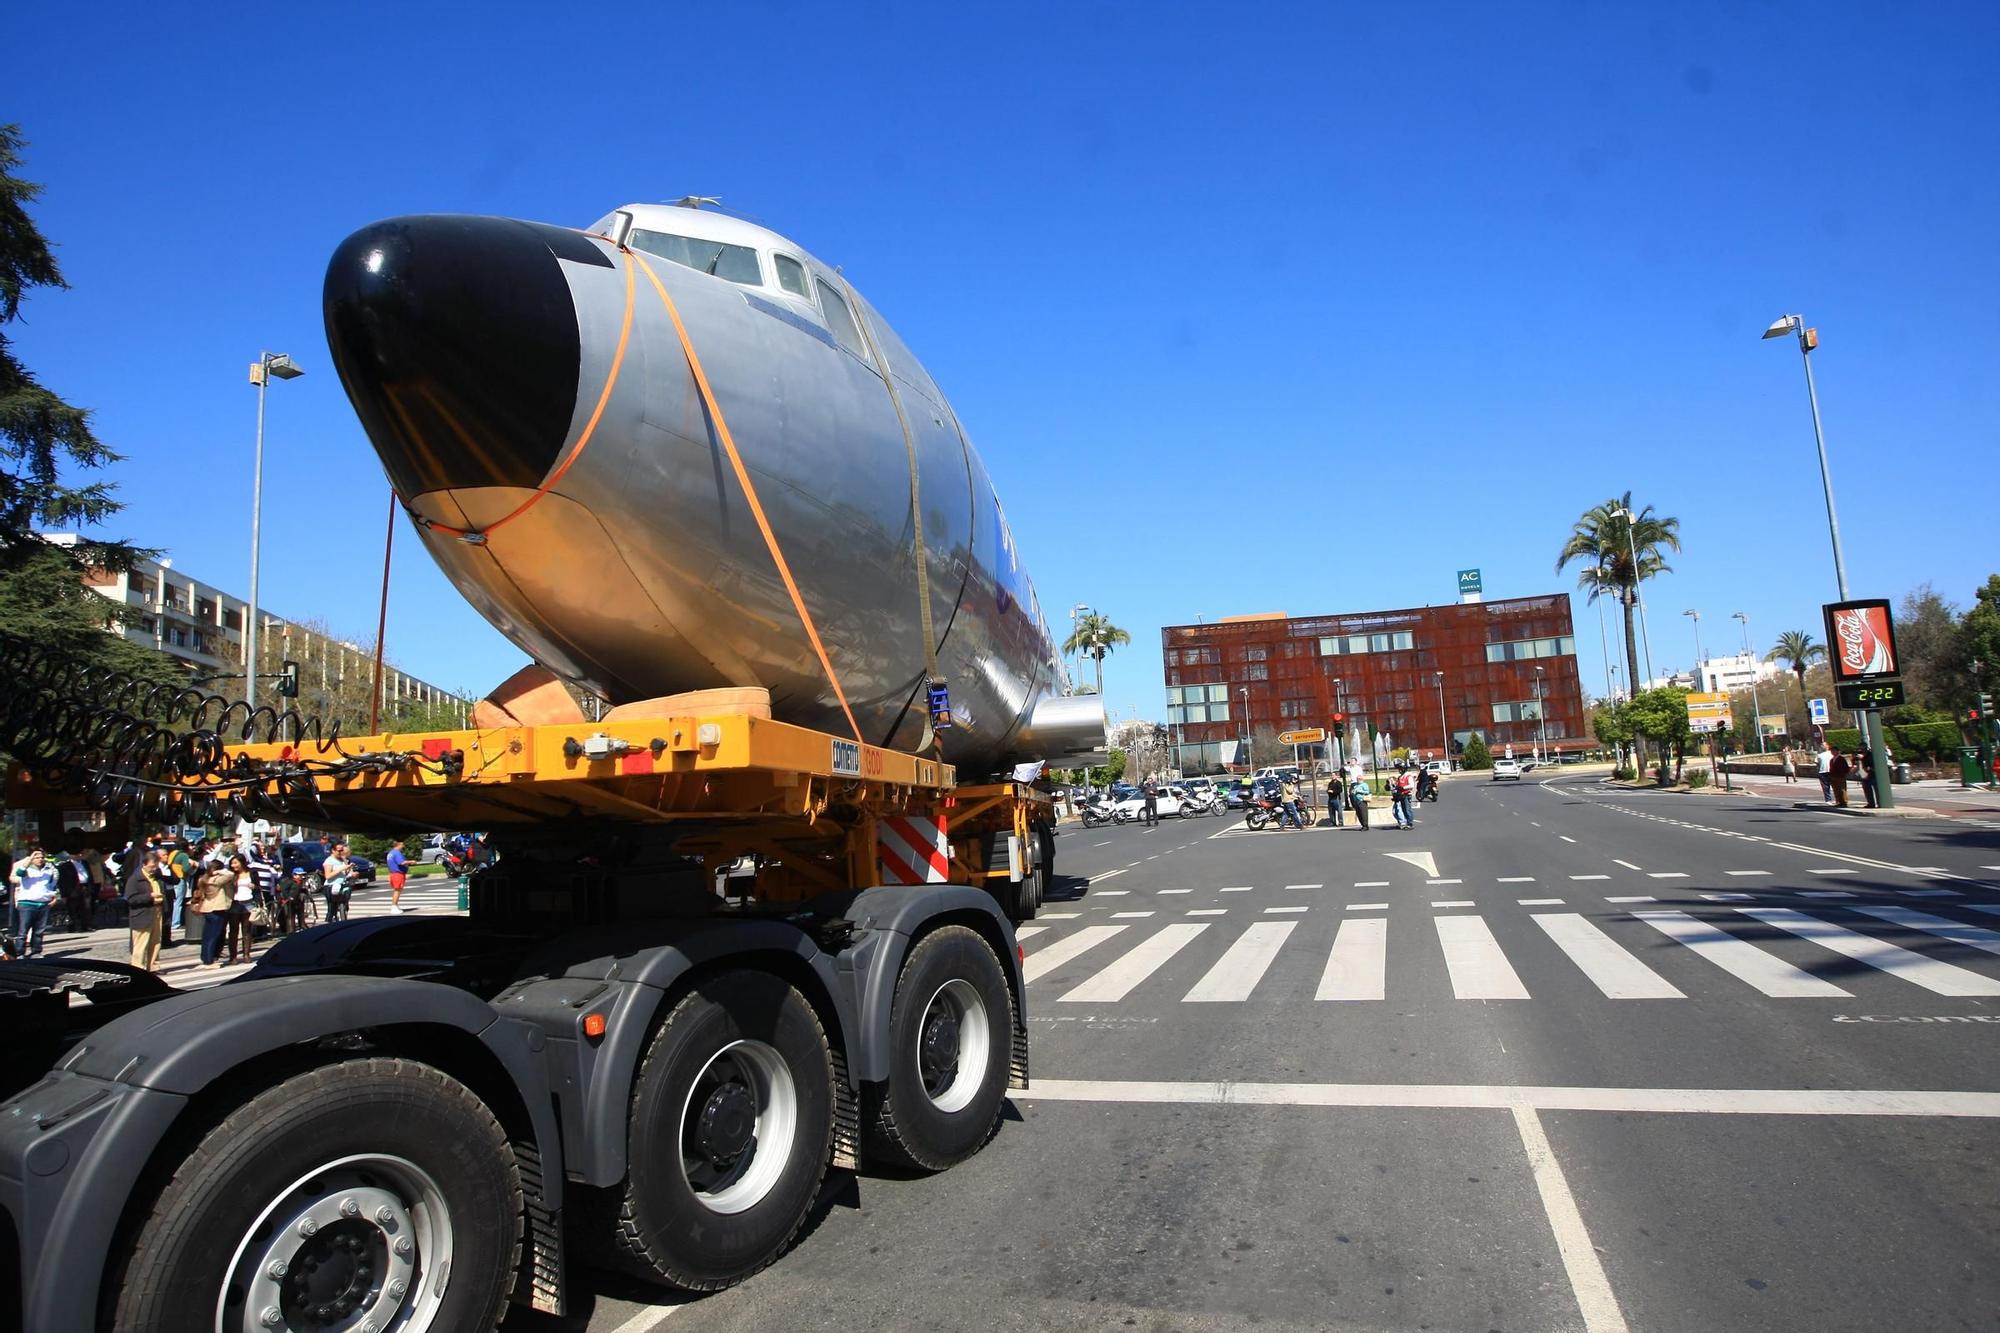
[[128, 745]]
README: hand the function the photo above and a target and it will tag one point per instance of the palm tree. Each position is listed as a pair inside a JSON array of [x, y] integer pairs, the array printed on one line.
[[1096, 635], [1609, 541], [1795, 647]]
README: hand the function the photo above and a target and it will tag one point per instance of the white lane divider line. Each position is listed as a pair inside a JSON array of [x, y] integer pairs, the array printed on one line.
[[1634, 898], [1357, 969], [1238, 888], [1565, 837], [1610, 968], [1058, 916], [1592, 1289], [1165, 892], [1627, 864], [1939, 978], [1823, 893], [1238, 971], [1516, 879], [1208, 911], [1271, 910], [1117, 981], [648, 1319], [1116, 893], [1590, 877], [1539, 902], [1371, 883], [1109, 874], [1043, 961], [1444, 881], [1745, 961], [1745, 874], [1977, 937], [1028, 932], [1368, 907], [1454, 902], [1479, 971], [1105, 843], [1121, 916], [1305, 886], [1666, 874], [1832, 870]]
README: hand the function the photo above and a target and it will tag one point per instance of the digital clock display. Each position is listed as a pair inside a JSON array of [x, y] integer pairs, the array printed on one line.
[[1874, 694]]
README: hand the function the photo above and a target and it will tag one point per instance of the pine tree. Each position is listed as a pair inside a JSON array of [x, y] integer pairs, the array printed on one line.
[[1476, 755]]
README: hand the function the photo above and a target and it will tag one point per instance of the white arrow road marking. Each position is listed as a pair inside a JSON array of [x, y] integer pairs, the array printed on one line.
[[1421, 860]]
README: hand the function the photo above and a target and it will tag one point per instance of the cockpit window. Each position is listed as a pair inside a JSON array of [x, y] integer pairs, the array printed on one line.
[[737, 263], [792, 275], [840, 321]]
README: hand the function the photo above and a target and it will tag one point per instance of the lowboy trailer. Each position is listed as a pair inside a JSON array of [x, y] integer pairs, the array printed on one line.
[[713, 956]]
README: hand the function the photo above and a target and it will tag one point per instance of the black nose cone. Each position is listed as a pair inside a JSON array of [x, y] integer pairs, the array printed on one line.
[[456, 338]]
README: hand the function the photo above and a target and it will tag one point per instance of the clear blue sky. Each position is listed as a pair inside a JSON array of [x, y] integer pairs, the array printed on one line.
[[1249, 308]]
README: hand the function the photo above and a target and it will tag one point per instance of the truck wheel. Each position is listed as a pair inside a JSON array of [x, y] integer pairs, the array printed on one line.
[[1018, 898], [949, 1034], [730, 1133], [1046, 837], [369, 1193]]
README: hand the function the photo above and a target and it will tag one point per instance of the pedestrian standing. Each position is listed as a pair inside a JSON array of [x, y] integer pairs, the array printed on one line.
[[1288, 804], [1152, 804], [1357, 797], [1336, 798], [399, 868], [1837, 771], [146, 895], [333, 877], [1402, 798], [34, 883], [1791, 765], [213, 890], [242, 893], [180, 874], [1865, 766], [1824, 764]]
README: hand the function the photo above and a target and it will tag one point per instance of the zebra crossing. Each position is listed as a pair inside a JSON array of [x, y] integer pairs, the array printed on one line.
[[432, 896], [1725, 949]]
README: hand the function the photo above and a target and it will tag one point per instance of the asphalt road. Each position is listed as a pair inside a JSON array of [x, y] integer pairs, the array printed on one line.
[[1562, 1057]]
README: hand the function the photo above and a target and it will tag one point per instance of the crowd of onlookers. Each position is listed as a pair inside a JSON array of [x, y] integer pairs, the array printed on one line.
[[216, 894]]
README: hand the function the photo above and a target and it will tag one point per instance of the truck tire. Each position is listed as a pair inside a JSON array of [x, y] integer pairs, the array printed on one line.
[[341, 1197], [950, 1029], [730, 1133], [1018, 898], [1045, 835]]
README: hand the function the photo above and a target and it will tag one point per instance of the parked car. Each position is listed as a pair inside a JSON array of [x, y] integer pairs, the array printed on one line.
[[1134, 807], [312, 855], [1507, 768]]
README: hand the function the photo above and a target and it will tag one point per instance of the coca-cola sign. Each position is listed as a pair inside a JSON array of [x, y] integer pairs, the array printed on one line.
[[1861, 640]]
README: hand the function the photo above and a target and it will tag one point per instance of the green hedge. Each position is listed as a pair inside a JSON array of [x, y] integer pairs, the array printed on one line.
[[1910, 740]]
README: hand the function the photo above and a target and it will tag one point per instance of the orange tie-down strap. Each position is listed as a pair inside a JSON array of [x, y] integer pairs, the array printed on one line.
[[749, 488], [479, 535]]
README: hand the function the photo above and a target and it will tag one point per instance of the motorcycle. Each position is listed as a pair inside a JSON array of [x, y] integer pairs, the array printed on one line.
[[1096, 813], [1265, 811]]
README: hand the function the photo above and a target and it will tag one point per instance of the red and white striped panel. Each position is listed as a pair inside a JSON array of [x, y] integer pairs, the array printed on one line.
[[912, 851]]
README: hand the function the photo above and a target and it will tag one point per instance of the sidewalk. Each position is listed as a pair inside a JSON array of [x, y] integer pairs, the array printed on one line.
[[1932, 796]]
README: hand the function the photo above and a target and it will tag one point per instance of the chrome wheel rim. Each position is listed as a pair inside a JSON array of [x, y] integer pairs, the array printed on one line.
[[360, 1244], [954, 1045], [738, 1126]]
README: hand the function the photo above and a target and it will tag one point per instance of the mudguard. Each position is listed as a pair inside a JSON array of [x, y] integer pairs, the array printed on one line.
[[625, 973], [73, 1147]]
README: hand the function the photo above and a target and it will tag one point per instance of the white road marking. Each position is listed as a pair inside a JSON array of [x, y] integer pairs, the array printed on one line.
[[1454, 902], [1120, 916], [1028, 932], [1479, 971], [1932, 975], [1590, 877], [1305, 886], [1164, 892], [1238, 971], [1116, 981], [1105, 843], [1536, 822], [1741, 874], [1627, 864], [646, 1319], [1270, 910], [1423, 861], [1831, 870], [1444, 881], [1116, 893], [1371, 883], [1043, 961], [1613, 970], [1238, 890], [1977, 937], [1208, 911], [1109, 874], [1730, 897], [1594, 1298], [1516, 879], [1058, 916], [1565, 837], [1491, 1097], [1539, 902], [1368, 907], [1357, 969], [1666, 874], [1823, 893], [1744, 961]]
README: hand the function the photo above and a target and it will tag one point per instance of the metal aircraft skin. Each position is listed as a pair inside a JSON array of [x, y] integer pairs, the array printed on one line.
[[477, 352]]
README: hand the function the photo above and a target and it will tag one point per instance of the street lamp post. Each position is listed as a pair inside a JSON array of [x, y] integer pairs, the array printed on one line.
[[1074, 612], [1444, 727], [1603, 639], [1809, 339], [1696, 617], [1756, 705], [266, 365], [1645, 631]]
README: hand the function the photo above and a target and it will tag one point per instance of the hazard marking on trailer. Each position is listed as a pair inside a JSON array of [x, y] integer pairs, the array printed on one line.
[[912, 851]]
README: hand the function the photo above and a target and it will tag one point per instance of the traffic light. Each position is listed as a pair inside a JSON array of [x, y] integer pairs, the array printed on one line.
[[1340, 726], [288, 680], [1982, 715]]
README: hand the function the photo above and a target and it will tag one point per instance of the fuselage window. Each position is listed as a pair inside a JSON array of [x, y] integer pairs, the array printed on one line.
[[792, 276], [840, 321], [737, 263]]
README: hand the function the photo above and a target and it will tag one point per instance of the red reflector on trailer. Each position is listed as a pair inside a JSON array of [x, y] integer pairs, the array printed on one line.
[[1020, 954], [593, 1025]]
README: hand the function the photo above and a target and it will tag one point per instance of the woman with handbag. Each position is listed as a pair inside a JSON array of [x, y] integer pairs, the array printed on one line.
[[243, 896], [214, 892]]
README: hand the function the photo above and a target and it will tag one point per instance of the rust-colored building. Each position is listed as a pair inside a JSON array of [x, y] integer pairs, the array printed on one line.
[[1425, 676]]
